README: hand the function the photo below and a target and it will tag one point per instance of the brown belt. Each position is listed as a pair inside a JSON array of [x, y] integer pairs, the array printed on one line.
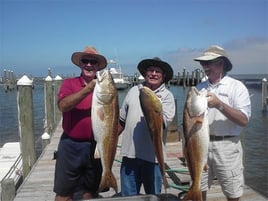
[[219, 138]]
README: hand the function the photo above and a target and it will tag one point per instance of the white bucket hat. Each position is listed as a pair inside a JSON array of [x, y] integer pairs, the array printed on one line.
[[215, 52]]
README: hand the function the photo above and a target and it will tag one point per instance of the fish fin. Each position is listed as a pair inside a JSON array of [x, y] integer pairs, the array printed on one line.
[[165, 182], [194, 195], [108, 180], [205, 167], [96, 154], [198, 120], [100, 113]]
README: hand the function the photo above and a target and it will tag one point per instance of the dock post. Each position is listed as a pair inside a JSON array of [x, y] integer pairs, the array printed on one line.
[[26, 123], [8, 191], [197, 76], [187, 79], [264, 94], [193, 78], [49, 106], [179, 79], [184, 78], [58, 114]]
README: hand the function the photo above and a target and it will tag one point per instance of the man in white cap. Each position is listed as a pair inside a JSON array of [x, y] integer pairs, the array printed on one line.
[[229, 110], [75, 169], [139, 165]]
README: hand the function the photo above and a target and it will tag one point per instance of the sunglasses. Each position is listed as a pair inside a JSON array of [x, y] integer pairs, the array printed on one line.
[[91, 61], [207, 63]]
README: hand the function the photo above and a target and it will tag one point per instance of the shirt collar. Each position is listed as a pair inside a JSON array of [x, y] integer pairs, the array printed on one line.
[[82, 81], [160, 88], [223, 81]]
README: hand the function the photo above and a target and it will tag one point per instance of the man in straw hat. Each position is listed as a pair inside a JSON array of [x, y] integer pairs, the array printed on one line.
[[73, 173], [229, 110], [139, 163]]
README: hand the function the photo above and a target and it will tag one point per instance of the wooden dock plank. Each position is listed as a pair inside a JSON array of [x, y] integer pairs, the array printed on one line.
[[38, 185]]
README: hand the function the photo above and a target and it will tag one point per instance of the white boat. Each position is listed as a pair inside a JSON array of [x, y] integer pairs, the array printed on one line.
[[11, 162], [121, 82], [140, 79]]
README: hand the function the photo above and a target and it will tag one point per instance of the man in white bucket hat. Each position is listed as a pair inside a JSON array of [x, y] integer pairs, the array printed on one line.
[[229, 110]]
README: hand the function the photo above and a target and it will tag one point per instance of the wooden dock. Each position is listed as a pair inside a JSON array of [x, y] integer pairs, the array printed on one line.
[[38, 185]]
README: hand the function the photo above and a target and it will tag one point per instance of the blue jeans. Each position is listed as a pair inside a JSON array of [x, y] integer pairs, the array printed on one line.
[[135, 172]]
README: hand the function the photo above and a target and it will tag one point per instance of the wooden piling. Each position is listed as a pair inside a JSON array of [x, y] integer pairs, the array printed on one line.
[[179, 79], [184, 78], [8, 191], [197, 76], [264, 94], [187, 79], [193, 78], [26, 123], [57, 83], [49, 106]]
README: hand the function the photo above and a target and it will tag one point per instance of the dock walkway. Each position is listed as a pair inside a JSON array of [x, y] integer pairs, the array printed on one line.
[[38, 185]]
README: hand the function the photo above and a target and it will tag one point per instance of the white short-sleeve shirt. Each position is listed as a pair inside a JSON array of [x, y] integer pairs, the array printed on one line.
[[233, 93]]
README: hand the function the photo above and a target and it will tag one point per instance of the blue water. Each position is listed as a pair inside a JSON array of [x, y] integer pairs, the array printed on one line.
[[9, 116], [254, 136]]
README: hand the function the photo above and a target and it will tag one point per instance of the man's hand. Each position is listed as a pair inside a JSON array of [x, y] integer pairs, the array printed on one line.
[[90, 86]]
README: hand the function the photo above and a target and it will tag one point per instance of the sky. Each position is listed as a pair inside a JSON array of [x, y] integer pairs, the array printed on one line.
[[37, 35]]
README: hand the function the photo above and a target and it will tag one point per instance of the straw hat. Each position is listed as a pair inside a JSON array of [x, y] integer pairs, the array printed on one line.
[[166, 68], [91, 51], [215, 52]]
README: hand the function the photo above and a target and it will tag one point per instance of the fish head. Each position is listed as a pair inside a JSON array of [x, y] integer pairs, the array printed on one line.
[[196, 102], [105, 88], [149, 99]]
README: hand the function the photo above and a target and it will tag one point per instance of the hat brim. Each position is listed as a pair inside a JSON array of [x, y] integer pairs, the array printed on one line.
[[77, 56], [207, 57], [144, 64], [228, 64]]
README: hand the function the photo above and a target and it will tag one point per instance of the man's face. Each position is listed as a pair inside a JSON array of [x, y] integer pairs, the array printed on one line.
[[154, 76], [89, 66]]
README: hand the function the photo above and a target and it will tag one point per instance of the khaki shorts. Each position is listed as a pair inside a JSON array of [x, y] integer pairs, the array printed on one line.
[[225, 161]]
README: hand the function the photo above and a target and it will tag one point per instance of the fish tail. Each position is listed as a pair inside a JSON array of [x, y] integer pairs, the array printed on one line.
[[108, 180], [165, 182], [194, 195]]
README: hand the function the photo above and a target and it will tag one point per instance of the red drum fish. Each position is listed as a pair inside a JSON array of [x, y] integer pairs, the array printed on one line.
[[152, 110], [196, 136], [105, 114]]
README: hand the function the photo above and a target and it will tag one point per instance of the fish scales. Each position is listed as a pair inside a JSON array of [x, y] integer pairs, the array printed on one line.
[[152, 110], [105, 114], [196, 136]]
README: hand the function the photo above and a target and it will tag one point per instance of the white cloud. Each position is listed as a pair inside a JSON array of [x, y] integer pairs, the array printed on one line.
[[248, 56]]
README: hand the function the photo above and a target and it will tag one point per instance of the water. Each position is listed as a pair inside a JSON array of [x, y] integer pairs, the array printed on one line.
[[254, 137], [9, 116]]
